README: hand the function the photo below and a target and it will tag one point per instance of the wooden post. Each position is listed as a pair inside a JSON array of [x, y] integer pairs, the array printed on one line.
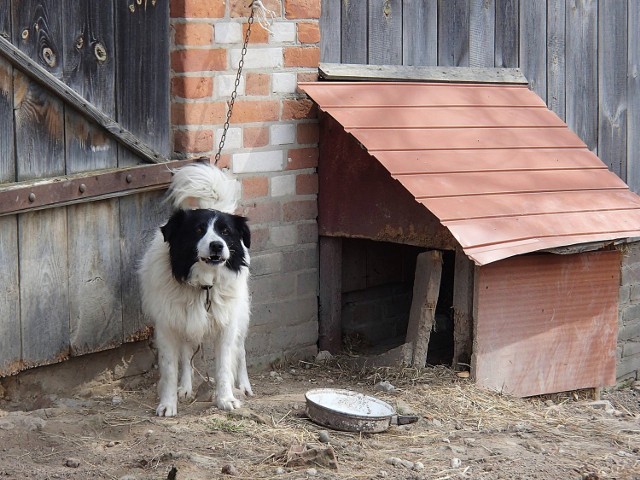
[[330, 328], [462, 309], [426, 288]]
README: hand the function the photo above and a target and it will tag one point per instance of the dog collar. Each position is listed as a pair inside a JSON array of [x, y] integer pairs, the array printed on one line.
[[207, 301]]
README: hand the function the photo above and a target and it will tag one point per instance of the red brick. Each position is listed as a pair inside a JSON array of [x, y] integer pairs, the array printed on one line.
[[247, 111], [253, 187], [198, 113], [192, 87], [308, 133], [259, 237], [307, 184], [308, 32], [258, 34], [240, 8], [307, 232], [199, 60], [299, 158], [197, 9], [257, 84], [300, 210], [193, 141], [301, 57], [303, 8], [299, 109], [193, 33], [262, 212], [307, 77], [255, 137]]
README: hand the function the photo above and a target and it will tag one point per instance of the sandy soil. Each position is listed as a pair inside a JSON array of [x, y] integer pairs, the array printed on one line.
[[108, 430]]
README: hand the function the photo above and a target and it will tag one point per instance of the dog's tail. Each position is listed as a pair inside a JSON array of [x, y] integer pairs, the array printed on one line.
[[200, 185]]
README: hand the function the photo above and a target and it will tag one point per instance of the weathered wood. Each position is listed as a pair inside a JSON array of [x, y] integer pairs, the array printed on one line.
[[10, 348], [420, 32], [385, 40], [330, 18], [612, 86], [354, 32], [142, 67], [453, 33], [426, 288], [582, 70], [330, 71], [7, 165], [482, 26], [633, 97], [556, 56], [330, 299], [51, 84], [462, 310], [506, 43], [533, 45]]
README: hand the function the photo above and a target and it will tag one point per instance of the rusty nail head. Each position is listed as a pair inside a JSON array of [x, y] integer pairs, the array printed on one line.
[[82, 188], [32, 197], [129, 178]]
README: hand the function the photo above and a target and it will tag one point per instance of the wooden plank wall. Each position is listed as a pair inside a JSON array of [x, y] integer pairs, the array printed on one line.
[[581, 56], [67, 276]]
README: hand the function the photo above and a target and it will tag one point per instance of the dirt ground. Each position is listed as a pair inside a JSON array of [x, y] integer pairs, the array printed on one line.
[[108, 430]]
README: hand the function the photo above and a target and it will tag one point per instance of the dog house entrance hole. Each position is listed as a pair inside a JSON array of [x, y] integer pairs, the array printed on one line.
[[377, 291]]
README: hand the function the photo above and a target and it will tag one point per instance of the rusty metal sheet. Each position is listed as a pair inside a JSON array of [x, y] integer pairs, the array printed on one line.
[[503, 173], [53, 192], [557, 332]]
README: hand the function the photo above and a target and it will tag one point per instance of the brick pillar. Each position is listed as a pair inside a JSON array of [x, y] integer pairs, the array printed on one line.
[[272, 147]]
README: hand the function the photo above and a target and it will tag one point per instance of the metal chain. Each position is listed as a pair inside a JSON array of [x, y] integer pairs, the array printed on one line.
[[234, 94]]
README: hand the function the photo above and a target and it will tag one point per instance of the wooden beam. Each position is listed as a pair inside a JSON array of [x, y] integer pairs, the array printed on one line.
[[399, 73], [426, 288], [330, 328], [462, 310], [68, 95]]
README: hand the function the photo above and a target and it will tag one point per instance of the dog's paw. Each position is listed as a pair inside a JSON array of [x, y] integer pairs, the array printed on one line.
[[229, 403], [246, 389], [185, 393], [168, 409]]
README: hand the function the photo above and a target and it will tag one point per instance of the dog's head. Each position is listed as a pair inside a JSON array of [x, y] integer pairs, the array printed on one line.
[[206, 239]]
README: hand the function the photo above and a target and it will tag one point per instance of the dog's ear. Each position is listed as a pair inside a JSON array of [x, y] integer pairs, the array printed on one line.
[[243, 228], [173, 224]]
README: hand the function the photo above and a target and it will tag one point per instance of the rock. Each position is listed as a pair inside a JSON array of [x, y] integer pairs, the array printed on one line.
[[22, 421], [418, 466], [456, 462], [323, 436], [312, 472], [403, 408], [463, 374], [399, 462], [280, 471], [603, 405], [383, 474], [384, 387], [323, 356], [116, 400], [72, 462], [230, 470]]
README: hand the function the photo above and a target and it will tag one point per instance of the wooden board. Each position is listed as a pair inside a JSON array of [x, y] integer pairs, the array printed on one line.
[[385, 39], [534, 331], [463, 287], [482, 25], [10, 347], [330, 295], [354, 32], [612, 86], [420, 21], [633, 97], [453, 33], [507, 28], [7, 167], [533, 45], [556, 56], [330, 27]]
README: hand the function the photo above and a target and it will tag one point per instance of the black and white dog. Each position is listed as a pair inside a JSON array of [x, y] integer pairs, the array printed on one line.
[[194, 281]]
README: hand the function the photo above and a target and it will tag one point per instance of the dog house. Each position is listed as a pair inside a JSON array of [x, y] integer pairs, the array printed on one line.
[[505, 214]]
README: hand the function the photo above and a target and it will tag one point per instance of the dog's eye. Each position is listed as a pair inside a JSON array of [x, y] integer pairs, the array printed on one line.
[[200, 229], [226, 231]]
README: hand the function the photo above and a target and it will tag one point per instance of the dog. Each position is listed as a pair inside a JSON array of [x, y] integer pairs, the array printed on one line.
[[194, 281]]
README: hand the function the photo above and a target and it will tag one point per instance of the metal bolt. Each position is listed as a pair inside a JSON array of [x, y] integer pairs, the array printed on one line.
[[129, 178], [32, 197], [82, 188]]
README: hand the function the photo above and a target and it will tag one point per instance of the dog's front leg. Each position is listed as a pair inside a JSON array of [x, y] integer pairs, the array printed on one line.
[[185, 389], [225, 351], [168, 366]]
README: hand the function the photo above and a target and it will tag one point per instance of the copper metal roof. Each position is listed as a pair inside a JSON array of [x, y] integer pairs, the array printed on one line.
[[500, 170]]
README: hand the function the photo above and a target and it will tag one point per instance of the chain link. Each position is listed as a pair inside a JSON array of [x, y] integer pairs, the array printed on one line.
[[234, 94]]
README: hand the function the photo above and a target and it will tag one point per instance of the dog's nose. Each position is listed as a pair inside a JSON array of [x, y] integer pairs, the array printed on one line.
[[216, 247]]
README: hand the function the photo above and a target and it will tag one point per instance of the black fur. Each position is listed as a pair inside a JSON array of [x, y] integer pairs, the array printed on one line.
[[185, 228]]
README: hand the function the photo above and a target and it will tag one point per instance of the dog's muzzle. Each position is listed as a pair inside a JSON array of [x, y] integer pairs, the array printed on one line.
[[216, 255]]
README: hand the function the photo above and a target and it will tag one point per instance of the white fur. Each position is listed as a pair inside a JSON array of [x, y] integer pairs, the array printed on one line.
[[199, 185], [178, 309]]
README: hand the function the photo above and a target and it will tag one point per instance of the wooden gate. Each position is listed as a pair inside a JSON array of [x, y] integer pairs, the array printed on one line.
[[73, 220]]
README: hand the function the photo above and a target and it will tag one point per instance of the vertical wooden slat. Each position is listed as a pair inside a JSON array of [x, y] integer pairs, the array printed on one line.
[[533, 44], [506, 46], [142, 103], [464, 271], [37, 30], [453, 33], [10, 349], [385, 32], [330, 322], [612, 86], [482, 27], [354, 32], [330, 28], [94, 244], [420, 32], [582, 70], [556, 56], [633, 97]]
